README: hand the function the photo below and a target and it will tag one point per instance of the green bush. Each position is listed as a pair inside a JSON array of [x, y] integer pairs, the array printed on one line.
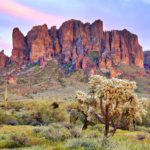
[[76, 132], [33, 113], [98, 127], [19, 141], [37, 68], [94, 56], [37, 130], [85, 143], [13, 141], [45, 113], [56, 134], [142, 128], [6, 117]]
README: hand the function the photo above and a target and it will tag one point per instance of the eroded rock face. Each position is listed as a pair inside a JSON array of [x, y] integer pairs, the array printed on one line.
[[74, 42], [134, 50], [20, 52], [121, 47], [147, 60], [39, 42], [53, 32], [3, 59], [114, 47]]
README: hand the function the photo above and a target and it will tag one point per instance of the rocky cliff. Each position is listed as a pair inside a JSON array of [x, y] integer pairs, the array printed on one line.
[[77, 46], [20, 52], [3, 59], [147, 59]]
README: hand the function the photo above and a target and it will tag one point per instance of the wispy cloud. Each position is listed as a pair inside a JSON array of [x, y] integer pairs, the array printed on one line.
[[15, 9]]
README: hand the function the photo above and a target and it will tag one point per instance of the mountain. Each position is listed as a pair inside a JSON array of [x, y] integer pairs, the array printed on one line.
[[147, 59], [76, 45], [42, 60]]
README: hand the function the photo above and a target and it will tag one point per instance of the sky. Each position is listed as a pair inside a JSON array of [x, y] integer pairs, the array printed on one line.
[[133, 15]]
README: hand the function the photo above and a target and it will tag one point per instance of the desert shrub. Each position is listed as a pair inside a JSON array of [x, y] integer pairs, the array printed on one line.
[[34, 113], [12, 122], [20, 140], [67, 125], [88, 133], [76, 132], [121, 144], [57, 125], [62, 82], [41, 112], [79, 76], [15, 105], [45, 114], [141, 136], [2, 137], [37, 130], [84, 143], [98, 127], [21, 81], [14, 141], [3, 116], [142, 128], [7, 118], [23, 117], [34, 122], [56, 134], [37, 68]]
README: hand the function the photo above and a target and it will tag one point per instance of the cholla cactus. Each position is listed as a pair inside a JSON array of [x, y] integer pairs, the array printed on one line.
[[110, 101]]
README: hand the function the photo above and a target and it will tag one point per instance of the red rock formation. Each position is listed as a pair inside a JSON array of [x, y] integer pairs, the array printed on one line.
[[121, 47], [20, 50], [85, 63], [3, 59], [134, 50], [115, 73], [53, 32], [73, 42], [39, 43]]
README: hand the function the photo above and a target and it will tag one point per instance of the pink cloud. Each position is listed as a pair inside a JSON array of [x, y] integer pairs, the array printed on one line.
[[25, 12]]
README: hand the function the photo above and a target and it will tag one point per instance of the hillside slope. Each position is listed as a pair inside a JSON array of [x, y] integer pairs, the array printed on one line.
[[34, 82]]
